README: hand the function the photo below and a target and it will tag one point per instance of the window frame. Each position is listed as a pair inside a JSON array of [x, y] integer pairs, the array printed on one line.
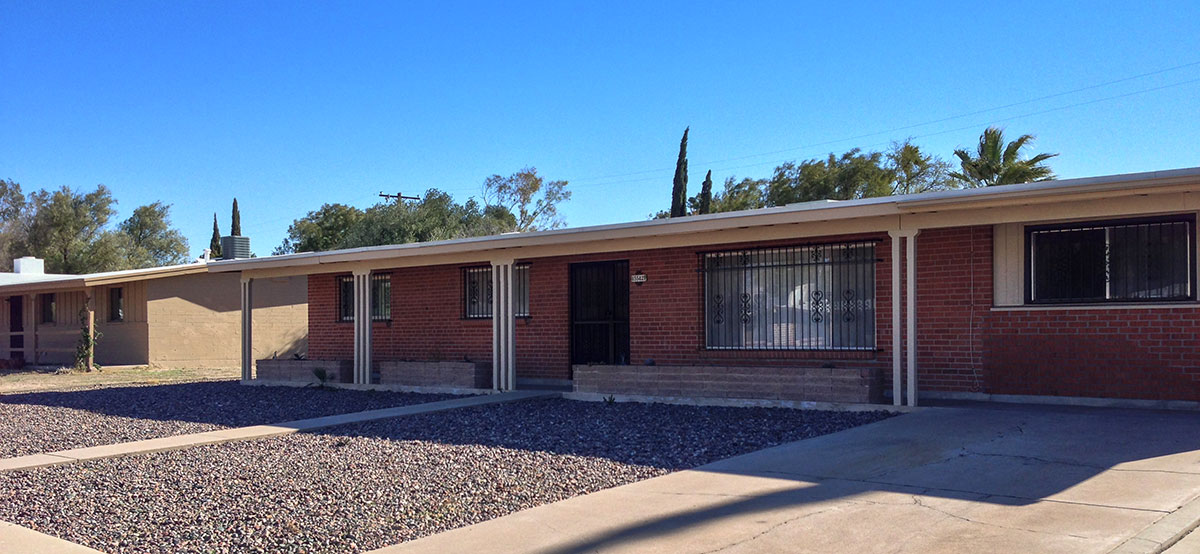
[[871, 276], [1029, 262], [42, 307], [345, 311], [116, 305], [520, 283]]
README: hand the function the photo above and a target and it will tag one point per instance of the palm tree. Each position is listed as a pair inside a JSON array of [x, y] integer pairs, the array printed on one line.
[[997, 163]]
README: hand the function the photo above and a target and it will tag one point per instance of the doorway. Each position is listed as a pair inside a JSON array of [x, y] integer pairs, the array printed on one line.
[[16, 328], [600, 313]]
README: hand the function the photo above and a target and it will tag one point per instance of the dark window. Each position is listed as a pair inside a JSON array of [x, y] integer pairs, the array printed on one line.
[[47, 307], [477, 291], [819, 297], [1119, 261], [381, 297], [116, 304]]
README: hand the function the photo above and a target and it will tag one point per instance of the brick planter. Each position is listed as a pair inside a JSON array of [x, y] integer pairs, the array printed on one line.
[[336, 371], [466, 375], [846, 385]]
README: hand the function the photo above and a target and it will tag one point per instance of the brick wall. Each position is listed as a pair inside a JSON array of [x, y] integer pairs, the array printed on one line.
[[964, 345]]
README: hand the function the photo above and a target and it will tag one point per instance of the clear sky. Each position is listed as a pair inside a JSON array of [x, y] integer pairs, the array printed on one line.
[[289, 105]]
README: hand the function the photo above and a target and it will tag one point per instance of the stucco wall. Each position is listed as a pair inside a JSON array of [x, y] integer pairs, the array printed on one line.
[[195, 320]]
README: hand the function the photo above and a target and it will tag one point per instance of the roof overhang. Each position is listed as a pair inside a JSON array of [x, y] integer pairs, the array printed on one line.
[[58, 282]]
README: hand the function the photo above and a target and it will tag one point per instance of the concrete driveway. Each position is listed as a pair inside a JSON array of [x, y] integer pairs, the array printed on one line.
[[988, 478]]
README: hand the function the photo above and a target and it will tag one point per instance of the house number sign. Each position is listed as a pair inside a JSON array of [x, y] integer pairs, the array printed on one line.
[[637, 278]]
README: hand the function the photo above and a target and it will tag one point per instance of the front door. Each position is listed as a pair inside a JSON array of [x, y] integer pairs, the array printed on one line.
[[16, 326], [600, 313]]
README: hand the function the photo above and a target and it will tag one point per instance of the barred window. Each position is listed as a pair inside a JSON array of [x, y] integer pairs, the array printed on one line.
[[819, 297], [381, 297], [477, 291], [1118, 261]]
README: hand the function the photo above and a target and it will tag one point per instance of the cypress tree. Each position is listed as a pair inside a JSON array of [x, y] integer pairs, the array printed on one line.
[[235, 228], [705, 204], [679, 191], [214, 245]]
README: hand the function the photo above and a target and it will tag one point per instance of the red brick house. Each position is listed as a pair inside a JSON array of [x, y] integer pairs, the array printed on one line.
[[1066, 290]]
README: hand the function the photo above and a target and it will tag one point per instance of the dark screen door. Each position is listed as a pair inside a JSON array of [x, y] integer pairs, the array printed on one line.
[[600, 313], [16, 324]]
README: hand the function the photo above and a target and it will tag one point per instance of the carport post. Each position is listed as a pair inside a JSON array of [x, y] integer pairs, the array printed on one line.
[[897, 390], [247, 328], [362, 326], [504, 337], [911, 303]]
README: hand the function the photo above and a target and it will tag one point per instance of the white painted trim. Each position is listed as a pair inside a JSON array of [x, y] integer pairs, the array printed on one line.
[[1094, 307], [1088, 401]]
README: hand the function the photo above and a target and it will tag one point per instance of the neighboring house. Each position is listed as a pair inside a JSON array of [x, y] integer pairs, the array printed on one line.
[[1071, 288], [175, 316]]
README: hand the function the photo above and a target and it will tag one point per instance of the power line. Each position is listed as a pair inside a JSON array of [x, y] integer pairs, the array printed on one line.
[[907, 127]]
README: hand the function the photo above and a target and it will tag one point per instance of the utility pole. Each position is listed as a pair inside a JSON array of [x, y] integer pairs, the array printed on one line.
[[397, 197]]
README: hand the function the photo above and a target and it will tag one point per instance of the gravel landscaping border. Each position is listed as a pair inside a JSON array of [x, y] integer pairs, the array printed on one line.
[[368, 485], [36, 422]]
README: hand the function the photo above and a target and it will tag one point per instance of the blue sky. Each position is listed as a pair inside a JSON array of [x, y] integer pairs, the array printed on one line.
[[289, 105]]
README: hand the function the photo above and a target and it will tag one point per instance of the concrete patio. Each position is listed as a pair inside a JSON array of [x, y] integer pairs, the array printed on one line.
[[984, 478]]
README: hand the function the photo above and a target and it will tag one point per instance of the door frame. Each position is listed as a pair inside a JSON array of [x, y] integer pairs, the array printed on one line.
[[571, 308]]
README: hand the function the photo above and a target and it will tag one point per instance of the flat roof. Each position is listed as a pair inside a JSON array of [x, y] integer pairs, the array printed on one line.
[[11, 283], [793, 213]]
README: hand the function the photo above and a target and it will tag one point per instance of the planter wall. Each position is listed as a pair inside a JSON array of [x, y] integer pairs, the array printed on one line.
[[336, 371], [844, 385], [470, 375]]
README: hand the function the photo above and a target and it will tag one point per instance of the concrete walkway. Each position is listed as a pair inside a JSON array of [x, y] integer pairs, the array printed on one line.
[[970, 479], [15, 539], [255, 432]]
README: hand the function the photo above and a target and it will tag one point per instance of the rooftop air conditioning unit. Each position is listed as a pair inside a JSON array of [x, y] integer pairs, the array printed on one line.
[[233, 248]]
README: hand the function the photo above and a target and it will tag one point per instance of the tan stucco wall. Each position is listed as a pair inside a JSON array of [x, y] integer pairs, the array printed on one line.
[[195, 320]]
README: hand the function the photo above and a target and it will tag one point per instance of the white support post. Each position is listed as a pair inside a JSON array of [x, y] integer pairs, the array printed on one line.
[[911, 304], [90, 306], [362, 327], [504, 337], [247, 328], [897, 384]]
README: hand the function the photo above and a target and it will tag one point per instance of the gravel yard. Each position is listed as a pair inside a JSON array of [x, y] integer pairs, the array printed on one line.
[[47, 421], [368, 485]]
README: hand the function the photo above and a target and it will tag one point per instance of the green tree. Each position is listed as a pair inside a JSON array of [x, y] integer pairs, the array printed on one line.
[[214, 244], [702, 203], [235, 227], [150, 241], [321, 230], [914, 172], [531, 199], [435, 217], [67, 229], [852, 175], [679, 188], [747, 194], [12, 221], [996, 162]]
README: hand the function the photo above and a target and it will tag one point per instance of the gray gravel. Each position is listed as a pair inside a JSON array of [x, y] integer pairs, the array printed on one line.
[[368, 485], [47, 421]]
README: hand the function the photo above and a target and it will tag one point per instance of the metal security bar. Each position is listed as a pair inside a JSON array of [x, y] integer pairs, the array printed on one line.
[[1113, 262], [477, 291], [381, 297], [819, 297]]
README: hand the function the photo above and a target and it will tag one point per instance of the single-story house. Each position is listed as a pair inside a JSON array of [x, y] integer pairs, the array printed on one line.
[[171, 316], [1070, 289]]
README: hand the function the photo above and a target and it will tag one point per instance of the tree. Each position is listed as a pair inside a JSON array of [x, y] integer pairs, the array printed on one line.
[[679, 190], [914, 172], [321, 230], [214, 244], [849, 176], [12, 221], [149, 239], [235, 227], [997, 163], [435, 217], [747, 194], [525, 195], [67, 229], [703, 202]]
